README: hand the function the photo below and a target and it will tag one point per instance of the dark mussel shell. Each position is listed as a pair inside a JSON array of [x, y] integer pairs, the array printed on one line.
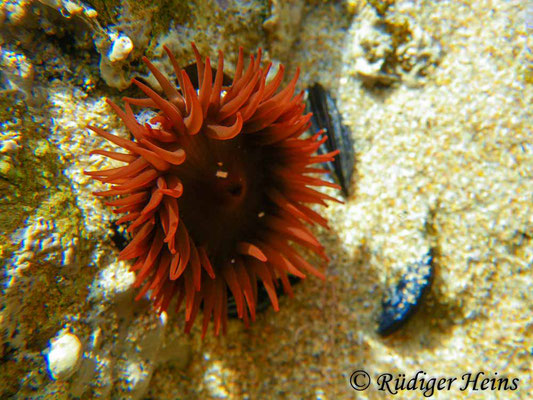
[[326, 116], [402, 300]]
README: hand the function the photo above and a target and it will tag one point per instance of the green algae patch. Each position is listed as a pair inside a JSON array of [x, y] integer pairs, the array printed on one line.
[[31, 177], [30, 168], [381, 6]]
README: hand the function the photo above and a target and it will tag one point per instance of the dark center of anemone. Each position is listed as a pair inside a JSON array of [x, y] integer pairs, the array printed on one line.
[[223, 197]]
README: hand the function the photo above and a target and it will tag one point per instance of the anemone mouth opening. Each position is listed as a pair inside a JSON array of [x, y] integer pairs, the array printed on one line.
[[235, 189], [224, 186]]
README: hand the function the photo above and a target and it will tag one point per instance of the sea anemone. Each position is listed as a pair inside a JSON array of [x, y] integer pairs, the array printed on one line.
[[214, 188]]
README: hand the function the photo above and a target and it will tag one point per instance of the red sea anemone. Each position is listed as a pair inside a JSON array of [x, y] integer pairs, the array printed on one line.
[[214, 189]]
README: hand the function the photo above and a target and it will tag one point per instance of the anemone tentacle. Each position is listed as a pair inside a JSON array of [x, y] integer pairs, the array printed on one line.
[[215, 194]]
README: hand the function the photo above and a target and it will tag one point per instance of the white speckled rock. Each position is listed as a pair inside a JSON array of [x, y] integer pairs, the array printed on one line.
[[63, 356]]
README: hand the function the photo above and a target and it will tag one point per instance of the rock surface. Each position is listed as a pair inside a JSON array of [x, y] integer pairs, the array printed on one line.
[[438, 97]]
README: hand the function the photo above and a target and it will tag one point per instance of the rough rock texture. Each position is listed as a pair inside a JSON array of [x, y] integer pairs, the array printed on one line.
[[438, 98]]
